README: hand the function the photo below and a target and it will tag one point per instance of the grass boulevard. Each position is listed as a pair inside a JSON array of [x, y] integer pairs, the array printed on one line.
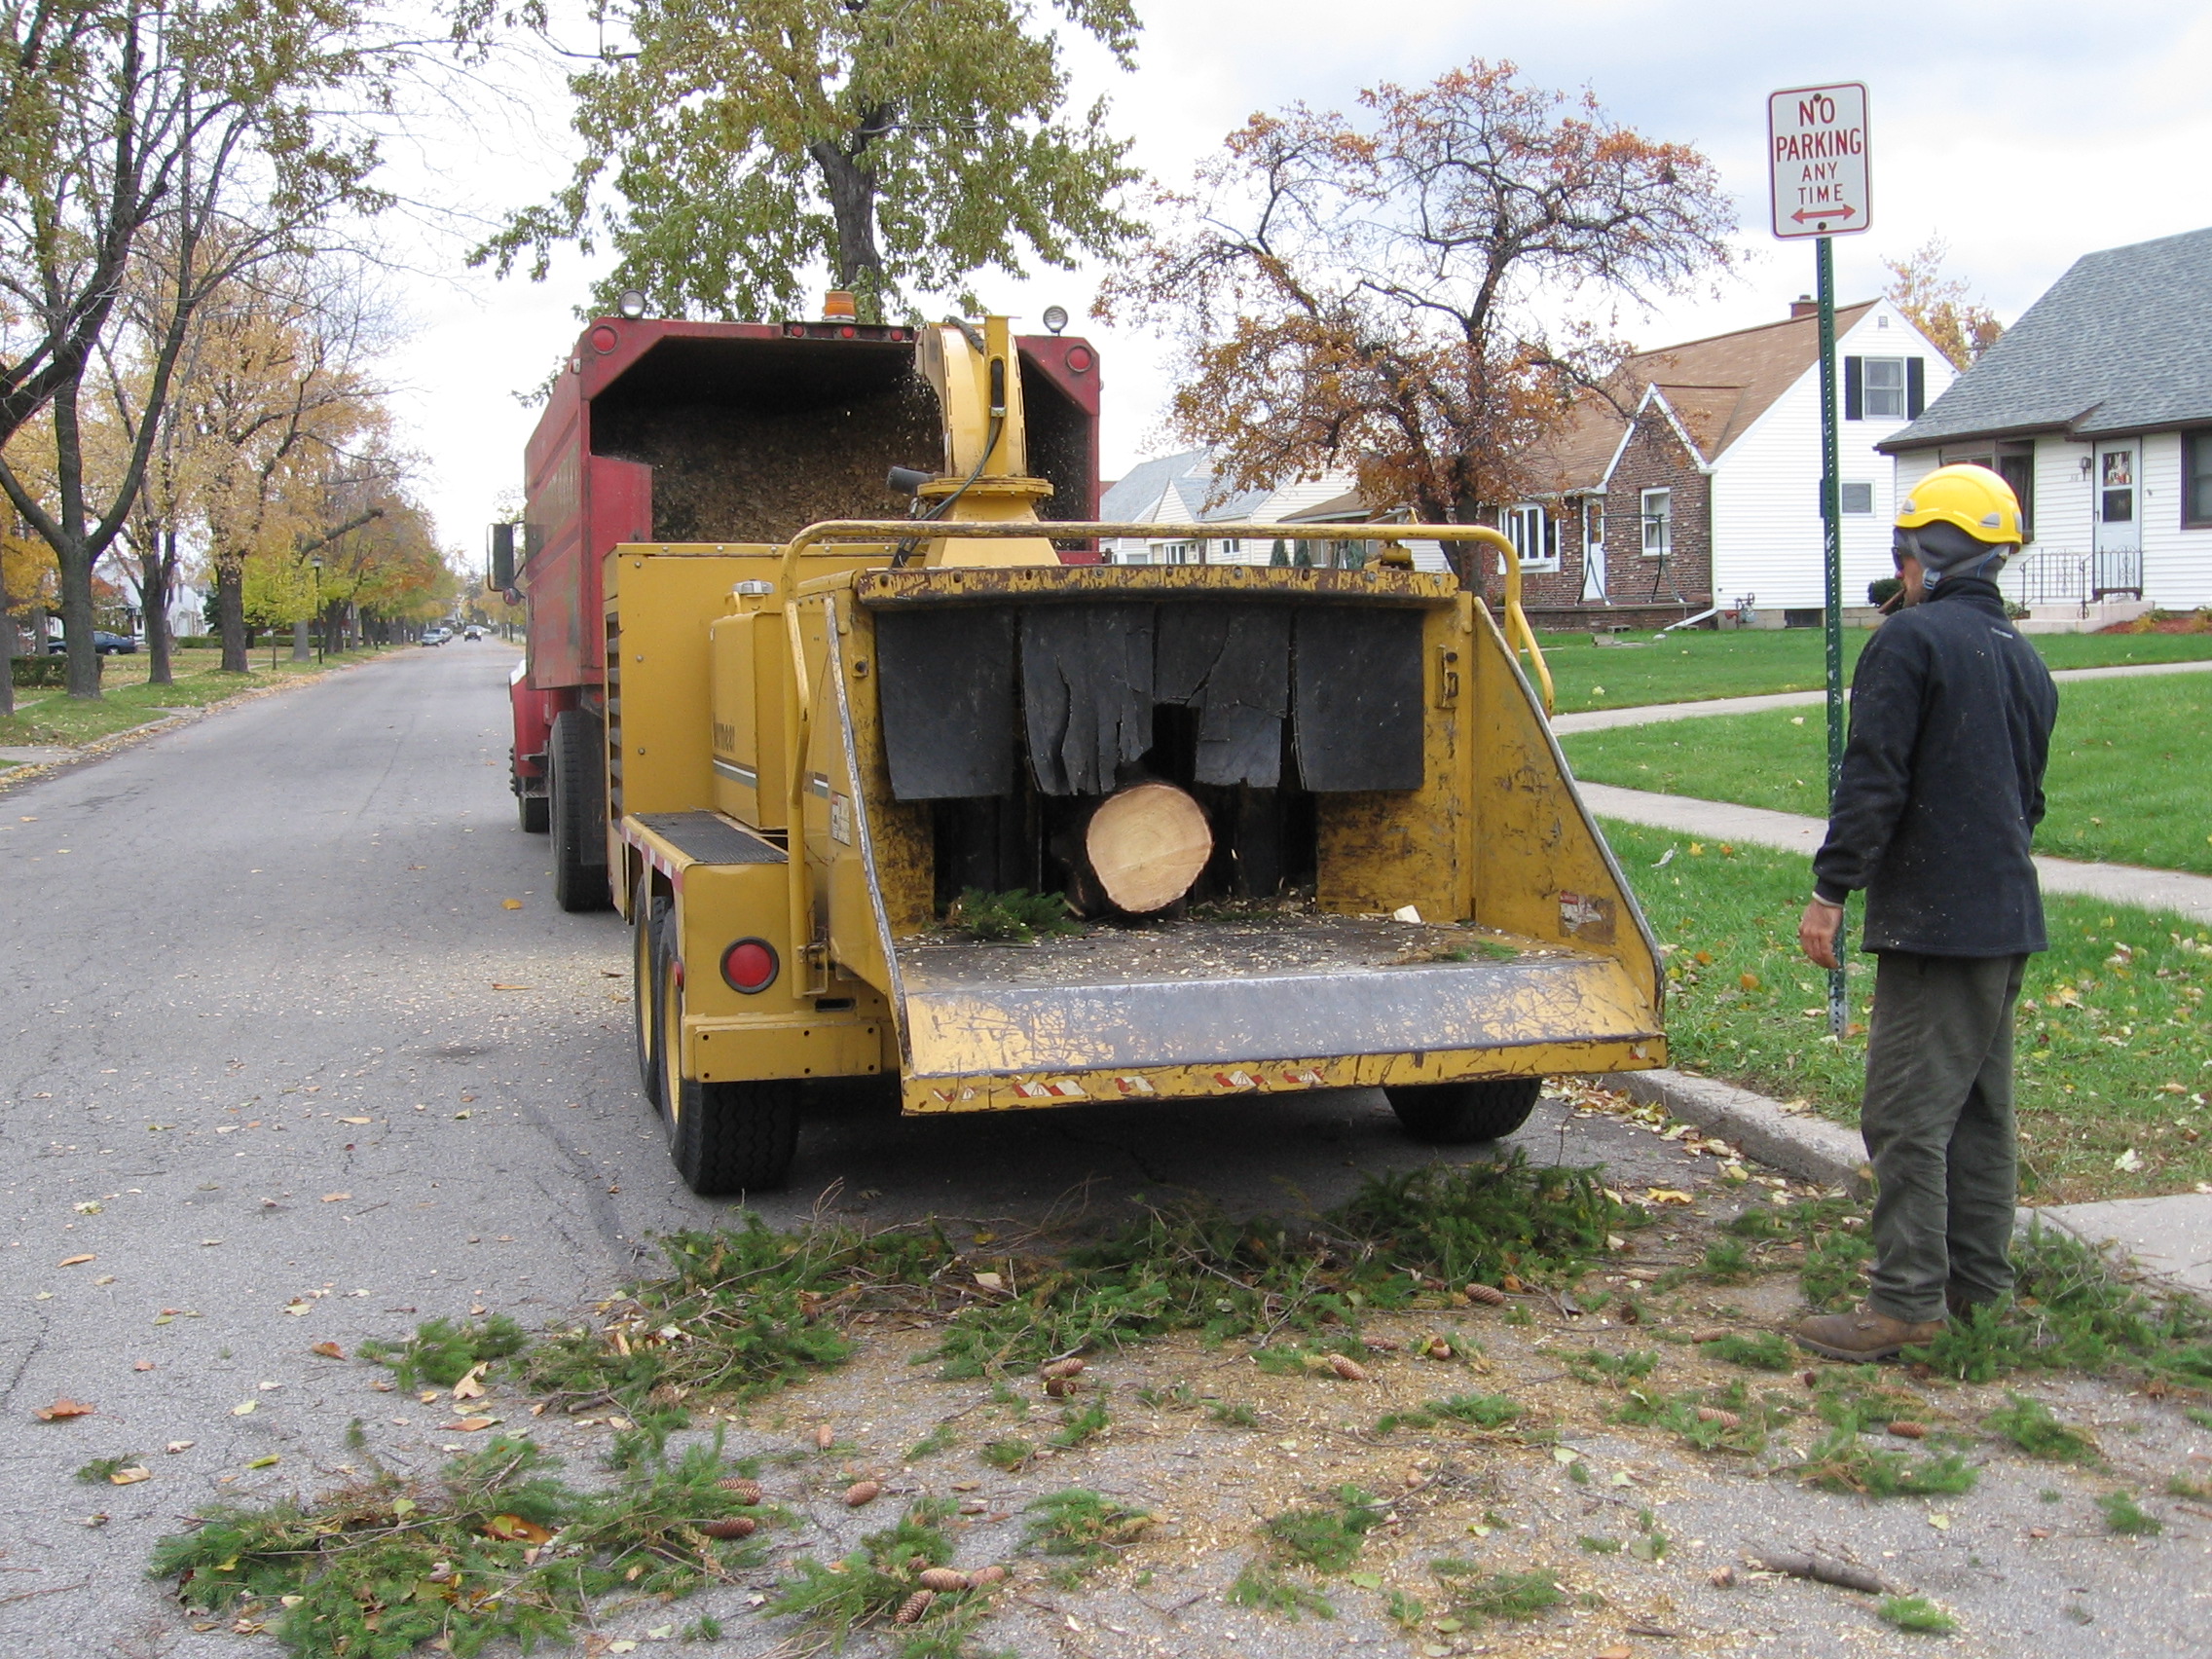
[[1692, 666], [51, 718]]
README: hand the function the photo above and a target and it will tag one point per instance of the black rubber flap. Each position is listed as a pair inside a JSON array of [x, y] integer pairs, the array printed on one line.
[[1231, 662], [708, 840], [1086, 692], [946, 680], [1357, 689]]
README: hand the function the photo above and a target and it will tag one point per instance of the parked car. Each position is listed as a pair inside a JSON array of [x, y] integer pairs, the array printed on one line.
[[106, 643], [435, 636]]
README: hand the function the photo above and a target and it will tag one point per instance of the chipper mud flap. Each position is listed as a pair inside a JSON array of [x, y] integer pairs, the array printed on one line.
[[1319, 1004]]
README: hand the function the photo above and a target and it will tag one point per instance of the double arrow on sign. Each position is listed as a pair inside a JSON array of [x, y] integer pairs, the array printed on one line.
[[1804, 215]]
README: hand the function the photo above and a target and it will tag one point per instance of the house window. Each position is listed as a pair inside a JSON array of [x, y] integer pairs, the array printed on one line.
[[1658, 507], [1593, 522], [1534, 534], [1884, 388], [2017, 466], [1857, 496], [2197, 480]]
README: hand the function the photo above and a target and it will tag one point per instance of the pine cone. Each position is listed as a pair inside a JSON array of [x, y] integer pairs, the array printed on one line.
[[1350, 1370], [915, 1605], [1906, 1430], [1060, 1367], [1713, 1414], [986, 1575], [731, 1526], [944, 1578], [742, 1489], [862, 1491], [1488, 1295], [825, 1437]]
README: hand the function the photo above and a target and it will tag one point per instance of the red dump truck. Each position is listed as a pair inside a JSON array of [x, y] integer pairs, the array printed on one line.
[[659, 432]]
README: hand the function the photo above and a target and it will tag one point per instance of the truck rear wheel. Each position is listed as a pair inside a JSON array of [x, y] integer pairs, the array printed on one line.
[[724, 1137], [1454, 1114], [649, 912], [577, 792]]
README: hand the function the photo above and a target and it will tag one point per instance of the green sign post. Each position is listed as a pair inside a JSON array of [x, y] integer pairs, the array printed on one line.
[[1817, 171]]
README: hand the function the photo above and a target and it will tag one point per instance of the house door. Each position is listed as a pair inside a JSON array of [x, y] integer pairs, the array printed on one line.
[[2119, 562], [1593, 550]]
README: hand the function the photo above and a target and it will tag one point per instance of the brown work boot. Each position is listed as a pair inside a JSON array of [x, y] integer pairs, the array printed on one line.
[[1864, 1335]]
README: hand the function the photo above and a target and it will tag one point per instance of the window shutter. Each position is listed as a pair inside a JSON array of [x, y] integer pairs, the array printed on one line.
[[1915, 387], [1855, 389]]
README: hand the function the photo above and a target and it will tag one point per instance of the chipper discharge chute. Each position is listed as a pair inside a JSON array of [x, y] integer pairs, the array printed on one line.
[[1310, 826]]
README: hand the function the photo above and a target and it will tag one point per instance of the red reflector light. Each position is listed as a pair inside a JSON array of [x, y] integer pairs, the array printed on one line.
[[749, 965]]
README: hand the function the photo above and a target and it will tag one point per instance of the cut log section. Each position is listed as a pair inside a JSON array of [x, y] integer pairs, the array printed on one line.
[[1147, 845]]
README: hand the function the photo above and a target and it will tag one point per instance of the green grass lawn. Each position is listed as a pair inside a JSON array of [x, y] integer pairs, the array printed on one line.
[[2127, 780], [1690, 666], [2115, 1052], [46, 718]]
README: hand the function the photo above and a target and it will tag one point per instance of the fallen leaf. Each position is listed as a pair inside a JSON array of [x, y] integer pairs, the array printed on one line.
[[62, 1410], [341, 1198], [989, 1281], [75, 1261], [516, 1531], [496, 986], [142, 1365], [328, 1350], [2129, 1161], [1750, 981], [1667, 1195], [269, 1461], [357, 1119], [105, 1278], [467, 1425], [471, 1386], [510, 904], [244, 1408], [130, 1476], [176, 1445], [299, 1309]]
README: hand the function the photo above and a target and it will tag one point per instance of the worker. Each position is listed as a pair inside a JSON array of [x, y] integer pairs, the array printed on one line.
[[1951, 713]]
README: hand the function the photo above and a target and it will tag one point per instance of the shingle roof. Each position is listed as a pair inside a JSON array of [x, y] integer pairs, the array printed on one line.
[[2122, 343], [1717, 386], [1135, 493]]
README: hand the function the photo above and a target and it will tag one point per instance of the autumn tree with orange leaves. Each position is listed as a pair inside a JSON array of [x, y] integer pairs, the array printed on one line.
[[1380, 294]]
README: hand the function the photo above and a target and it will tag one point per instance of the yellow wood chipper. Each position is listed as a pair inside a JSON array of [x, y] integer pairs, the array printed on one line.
[[1304, 828]]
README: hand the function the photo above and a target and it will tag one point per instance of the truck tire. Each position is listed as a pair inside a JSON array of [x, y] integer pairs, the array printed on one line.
[[648, 914], [1454, 1114], [577, 793], [723, 1137]]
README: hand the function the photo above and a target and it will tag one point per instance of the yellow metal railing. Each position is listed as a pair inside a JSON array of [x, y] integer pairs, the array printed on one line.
[[798, 716]]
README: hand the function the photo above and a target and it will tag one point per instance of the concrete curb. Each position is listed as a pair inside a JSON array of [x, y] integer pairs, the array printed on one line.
[[1798, 1144]]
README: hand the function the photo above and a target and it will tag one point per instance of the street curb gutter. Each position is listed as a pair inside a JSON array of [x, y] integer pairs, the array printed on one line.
[[1810, 1148]]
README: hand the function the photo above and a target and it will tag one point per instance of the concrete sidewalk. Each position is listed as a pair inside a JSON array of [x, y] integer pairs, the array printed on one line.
[[1654, 714], [2188, 896]]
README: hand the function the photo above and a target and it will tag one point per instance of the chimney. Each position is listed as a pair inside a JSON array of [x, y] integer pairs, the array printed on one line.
[[1804, 305]]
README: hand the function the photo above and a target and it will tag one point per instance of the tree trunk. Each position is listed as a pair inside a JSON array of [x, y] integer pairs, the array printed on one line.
[[850, 185], [230, 612], [84, 672], [7, 650], [154, 593], [1146, 845], [302, 650]]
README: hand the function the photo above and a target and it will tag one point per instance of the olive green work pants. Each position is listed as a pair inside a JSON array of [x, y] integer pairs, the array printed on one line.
[[1937, 1121]]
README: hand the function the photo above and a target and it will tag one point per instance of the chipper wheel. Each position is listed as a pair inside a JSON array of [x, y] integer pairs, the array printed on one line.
[[1452, 1113], [648, 911], [576, 810], [724, 1137]]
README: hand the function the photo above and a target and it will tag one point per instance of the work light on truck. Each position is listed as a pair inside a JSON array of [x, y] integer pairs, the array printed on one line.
[[749, 965]]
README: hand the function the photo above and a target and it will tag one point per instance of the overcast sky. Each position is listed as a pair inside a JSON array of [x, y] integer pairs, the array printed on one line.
[[2025, 133]]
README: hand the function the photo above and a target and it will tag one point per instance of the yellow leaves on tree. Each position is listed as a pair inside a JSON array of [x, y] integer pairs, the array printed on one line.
[[1960, 328]]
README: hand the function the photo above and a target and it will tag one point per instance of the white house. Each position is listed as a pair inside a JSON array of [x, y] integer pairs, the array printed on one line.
[[2097, 406], [1177, 489]]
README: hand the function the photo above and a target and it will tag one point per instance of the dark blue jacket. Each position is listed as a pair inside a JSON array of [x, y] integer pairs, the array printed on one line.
[[1951, 712]]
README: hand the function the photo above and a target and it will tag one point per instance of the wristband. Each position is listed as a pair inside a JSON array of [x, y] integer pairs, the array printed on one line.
[[1826, 904]]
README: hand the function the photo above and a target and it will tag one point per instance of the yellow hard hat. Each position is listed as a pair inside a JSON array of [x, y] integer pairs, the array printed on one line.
[[1972, 497]]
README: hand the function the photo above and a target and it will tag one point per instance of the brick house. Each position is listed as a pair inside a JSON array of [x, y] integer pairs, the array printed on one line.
[[1706, 492]]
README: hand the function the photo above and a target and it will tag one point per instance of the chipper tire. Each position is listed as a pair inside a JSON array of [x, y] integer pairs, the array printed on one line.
[[1455, 1113], [577, 792], [724, 1138], [648, 913]]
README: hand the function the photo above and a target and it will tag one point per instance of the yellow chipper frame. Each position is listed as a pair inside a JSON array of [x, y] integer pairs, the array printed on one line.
[[1379, 873]]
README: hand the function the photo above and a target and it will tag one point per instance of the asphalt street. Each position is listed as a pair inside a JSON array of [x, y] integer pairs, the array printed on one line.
[[298, 1050]]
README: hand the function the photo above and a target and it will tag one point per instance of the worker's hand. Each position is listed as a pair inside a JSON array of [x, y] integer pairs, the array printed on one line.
[[1817, 932]]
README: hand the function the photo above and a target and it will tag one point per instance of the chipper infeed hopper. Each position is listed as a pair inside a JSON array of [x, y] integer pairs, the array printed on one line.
[[1313, 819]]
